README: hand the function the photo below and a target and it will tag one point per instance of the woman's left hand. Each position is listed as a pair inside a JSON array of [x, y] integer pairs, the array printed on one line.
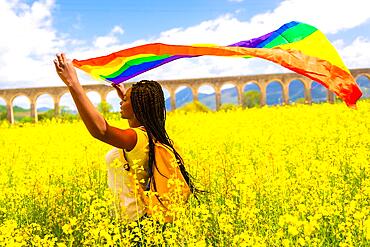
[[65, 69], [121, 90]]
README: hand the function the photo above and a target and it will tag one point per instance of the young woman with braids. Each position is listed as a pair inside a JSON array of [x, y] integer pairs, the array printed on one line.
[[144, 108]]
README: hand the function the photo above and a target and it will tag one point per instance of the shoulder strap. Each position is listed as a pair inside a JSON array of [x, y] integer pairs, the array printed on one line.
[[141, 128], [126, 165]]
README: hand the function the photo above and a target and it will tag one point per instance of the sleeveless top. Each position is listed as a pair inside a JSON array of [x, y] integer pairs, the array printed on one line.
[[131, 207]]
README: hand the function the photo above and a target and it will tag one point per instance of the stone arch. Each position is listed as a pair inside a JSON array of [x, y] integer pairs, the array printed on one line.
[[56, 97], [318, 92], [184, 95], [59, 95], [43, 102], [66, 103], [94, 96], [206, 95], [296, 90], [363, 74], [229, 93], [21, 107], [275, 80], [40, 96], [12, 97], [113, 99], [250, 87], [363, 81], [274, 92]]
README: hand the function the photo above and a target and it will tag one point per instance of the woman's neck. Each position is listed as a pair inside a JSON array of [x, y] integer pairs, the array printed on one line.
[[134, 123]]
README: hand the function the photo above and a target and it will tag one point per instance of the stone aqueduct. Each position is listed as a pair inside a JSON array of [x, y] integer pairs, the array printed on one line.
[[171, 85]]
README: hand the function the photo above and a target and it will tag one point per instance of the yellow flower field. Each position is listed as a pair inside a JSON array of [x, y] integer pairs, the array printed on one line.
[[276, 176]]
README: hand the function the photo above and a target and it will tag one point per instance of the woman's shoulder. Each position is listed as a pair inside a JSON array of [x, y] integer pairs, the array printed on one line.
[[141, 139]]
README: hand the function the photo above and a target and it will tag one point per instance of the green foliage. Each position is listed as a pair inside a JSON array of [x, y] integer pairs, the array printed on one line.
[[104, 108], [26, 120], [228, 107], [3, 115], [338, 100], [251, 99], [46, 115], [19, 113], [194, 106], [300, 101]]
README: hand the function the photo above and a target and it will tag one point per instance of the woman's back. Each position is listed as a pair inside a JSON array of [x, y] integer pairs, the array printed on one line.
[[121, 164]]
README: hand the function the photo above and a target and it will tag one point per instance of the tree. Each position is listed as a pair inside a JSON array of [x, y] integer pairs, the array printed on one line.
[[251, 99], [104, 108], [300, 101], [3, 115], [194, 106], [49, 114]]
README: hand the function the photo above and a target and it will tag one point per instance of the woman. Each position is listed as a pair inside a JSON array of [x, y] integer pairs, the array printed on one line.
[[143, 106]]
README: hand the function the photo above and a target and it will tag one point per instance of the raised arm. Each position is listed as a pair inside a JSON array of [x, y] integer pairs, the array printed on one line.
[[94, 121]]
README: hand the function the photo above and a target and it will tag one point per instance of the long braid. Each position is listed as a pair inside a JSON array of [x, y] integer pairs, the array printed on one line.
[[147, 100]]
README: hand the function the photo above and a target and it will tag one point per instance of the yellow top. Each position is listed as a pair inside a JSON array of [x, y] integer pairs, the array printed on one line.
[[120, 174]]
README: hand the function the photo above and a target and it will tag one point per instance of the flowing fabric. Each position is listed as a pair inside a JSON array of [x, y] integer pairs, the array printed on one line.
[[297, 46]]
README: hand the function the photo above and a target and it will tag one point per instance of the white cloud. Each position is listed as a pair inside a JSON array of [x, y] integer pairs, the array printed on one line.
[[356, 54], [237, 1], [28, 43], [110, 39], [228, 29], [330, 16], [32, 41]]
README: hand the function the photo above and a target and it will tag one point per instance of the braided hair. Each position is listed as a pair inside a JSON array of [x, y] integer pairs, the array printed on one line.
[[147, 100]]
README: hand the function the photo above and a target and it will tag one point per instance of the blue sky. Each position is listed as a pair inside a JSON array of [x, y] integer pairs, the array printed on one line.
[[145, 19], [36, 30]]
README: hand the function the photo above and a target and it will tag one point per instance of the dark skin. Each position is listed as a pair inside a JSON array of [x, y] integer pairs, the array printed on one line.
[[94, 121]]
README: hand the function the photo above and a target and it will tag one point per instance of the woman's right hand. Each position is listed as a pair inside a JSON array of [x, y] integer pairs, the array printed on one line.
[[65, 70], [121, 90]]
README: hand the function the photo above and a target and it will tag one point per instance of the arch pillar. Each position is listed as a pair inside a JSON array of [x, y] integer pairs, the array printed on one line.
[[56, 106], [103, 95], [262, 87], [194, 90], [285, 93], [218, 97], [34, 110], [10, 112], [307, 93], [330, 97], [173, 99], [239, 88]]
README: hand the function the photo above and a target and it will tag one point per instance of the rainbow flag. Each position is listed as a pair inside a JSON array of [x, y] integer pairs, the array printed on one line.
[[297, 46]]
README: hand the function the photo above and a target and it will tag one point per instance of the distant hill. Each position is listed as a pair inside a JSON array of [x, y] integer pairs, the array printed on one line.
[[15, 109], [43, 109]]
